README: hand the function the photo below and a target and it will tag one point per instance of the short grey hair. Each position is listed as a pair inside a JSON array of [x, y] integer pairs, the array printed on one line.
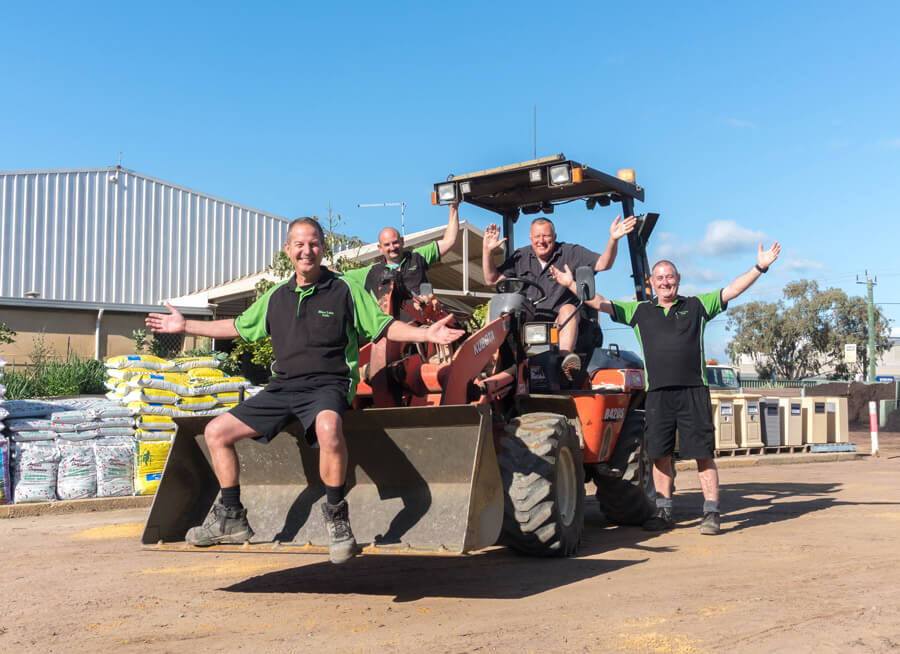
[[664, 262], [306, 220], [542, 221]]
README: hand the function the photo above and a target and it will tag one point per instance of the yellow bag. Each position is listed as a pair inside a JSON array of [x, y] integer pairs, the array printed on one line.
[[154, 435], [149, 461], [196, 403], [151, 395], [183, 364], [124, 374], [154, 423], [227, 398], [200, 373], [176, 382], [137, 361], [149, 409]]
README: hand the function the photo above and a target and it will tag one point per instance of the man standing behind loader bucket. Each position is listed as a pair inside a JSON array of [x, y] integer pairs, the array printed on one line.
[[316, 319], [533, 263], [670, 332]]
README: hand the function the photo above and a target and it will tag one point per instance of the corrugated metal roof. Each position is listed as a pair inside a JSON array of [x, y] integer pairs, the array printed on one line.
[[115, 236]]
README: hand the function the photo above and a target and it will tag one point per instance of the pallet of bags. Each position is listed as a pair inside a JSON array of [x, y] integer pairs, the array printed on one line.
[[150, 453], [146, 361], [35, 465]]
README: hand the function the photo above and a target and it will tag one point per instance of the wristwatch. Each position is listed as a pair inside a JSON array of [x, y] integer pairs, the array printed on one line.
[[762, 270]]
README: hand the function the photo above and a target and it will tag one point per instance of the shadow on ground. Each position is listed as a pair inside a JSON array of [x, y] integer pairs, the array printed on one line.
[[756, 504], [498, 573]]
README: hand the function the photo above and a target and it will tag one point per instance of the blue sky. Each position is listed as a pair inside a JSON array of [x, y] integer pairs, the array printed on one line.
[[744, 122]]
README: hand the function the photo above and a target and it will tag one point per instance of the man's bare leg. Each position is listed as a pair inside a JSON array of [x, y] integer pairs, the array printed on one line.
[[221, 434], [333, 470], [568, 334], [709, 484], [227, 522], [662, 482]]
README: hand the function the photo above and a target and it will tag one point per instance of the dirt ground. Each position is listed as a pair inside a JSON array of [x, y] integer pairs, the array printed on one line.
[[808, 562]]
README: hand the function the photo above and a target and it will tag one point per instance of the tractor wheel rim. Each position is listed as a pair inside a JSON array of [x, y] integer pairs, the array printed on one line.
[[566, 494]]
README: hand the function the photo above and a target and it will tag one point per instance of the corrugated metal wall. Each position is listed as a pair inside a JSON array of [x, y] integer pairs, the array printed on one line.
[[118, 237]]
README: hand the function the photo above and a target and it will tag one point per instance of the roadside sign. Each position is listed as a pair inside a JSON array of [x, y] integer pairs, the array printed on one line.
[[850, 353], [885, 378]]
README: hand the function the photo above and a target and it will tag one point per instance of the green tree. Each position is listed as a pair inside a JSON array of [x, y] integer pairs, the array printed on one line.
[[804, 333]]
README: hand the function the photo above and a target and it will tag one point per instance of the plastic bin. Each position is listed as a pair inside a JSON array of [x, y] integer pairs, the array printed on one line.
[[747, 420], [815, 419], [837, 420], [724, 422], [772, 412]]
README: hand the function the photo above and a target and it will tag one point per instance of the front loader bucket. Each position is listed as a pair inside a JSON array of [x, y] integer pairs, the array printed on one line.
[[422, 479]]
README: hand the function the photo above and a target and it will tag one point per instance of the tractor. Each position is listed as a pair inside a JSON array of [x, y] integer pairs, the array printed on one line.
[[459, 448]]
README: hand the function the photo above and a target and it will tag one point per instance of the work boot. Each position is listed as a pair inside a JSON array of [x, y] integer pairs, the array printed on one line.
[[660, 521], [709, 526], [571, 365], [223, 526], [343, 545]]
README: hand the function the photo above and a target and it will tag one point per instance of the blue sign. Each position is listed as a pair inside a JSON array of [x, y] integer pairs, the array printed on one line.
[[884, 378]]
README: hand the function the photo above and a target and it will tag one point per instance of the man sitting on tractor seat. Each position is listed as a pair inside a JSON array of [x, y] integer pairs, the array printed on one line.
[[406, 269], [534, 262]]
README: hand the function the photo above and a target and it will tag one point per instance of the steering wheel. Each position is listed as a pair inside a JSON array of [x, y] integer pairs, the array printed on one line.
[[518, 285]]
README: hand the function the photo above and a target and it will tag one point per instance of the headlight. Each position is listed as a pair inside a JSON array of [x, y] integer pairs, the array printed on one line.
[[537, 333], [446, 192], [560, 174]]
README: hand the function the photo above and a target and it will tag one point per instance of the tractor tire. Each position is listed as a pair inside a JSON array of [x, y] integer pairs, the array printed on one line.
[[631, 498], [543, 482]]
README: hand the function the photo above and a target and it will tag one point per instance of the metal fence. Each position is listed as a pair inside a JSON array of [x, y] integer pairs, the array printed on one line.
[[789, 383]]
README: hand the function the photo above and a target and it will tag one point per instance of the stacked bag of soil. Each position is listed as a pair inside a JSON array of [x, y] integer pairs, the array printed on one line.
[[4, 444], [158, 390]]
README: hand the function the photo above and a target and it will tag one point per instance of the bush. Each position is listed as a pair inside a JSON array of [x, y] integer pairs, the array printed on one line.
[[47, 378]]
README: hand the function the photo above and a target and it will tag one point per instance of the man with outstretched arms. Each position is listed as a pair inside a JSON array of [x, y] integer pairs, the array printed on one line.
[[316, 319], [533, 262], [406, 267], [670, 331]]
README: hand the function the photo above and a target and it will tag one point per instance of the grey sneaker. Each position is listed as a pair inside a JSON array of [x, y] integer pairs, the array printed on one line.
[[223, 526], [659, 521], [343, 545], [710, 524]]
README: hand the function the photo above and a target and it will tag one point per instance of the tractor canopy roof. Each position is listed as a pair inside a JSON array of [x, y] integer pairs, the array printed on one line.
[[532, 186]]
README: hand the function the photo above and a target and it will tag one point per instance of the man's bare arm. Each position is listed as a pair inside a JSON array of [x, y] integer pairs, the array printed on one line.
[[764, 259], [617, 230], [450, 234], [437, 332], [175, 323], [565, 278], [490, 243]]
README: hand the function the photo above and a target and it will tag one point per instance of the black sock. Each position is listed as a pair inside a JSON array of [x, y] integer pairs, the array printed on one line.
[[231, 497], [334, 494]]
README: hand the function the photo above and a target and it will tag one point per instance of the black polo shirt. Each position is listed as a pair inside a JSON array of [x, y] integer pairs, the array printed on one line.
[[413, 269], [524, 264], [315, 329], [672, 341]]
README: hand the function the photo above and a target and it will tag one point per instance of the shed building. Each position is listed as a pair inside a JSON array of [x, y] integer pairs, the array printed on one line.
[[85, 253]]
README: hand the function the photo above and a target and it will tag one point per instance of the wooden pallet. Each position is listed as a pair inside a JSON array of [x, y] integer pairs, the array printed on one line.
[[740, 451], [786, 449]]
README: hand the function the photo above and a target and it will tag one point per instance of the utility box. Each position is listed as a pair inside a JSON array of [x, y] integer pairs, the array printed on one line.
[[724, 422], [837, 420], [747, 420], [772, 412], [791, 421], [815, 420]]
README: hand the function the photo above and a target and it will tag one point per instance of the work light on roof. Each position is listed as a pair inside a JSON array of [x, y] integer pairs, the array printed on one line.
[[534, 175], [446, 192], [560, 174], [465, 187]]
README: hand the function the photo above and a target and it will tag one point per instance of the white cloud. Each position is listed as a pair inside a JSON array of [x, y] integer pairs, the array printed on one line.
[[802, 265], [699, 274], [727, 237], [739, 123]]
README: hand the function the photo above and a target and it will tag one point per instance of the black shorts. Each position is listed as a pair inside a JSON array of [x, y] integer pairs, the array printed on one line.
[[274, 408], [687, 409]]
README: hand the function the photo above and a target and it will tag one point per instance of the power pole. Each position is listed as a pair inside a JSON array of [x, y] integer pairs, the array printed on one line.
[[870, 283]]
